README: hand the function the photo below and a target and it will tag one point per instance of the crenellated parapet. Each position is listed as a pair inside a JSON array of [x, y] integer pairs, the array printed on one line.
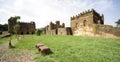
[[84, 13]]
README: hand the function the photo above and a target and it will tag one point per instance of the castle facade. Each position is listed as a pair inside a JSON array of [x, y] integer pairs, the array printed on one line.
[[25, 28], [91, 23]]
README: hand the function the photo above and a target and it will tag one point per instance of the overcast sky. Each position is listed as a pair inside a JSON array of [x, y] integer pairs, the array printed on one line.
[[44, 11]]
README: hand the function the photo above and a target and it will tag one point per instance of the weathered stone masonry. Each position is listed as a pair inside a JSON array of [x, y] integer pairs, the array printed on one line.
[[57, 29], [88, 23], [91, 23], [25, 28]]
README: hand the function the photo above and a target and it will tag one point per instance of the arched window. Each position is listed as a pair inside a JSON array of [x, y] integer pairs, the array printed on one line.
[[84, 23]]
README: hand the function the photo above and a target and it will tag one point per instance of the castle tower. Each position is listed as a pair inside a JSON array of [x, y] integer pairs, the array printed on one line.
[[63, 25], [85, 21], [11, 22], [50, 26], [33, 27], [57, 24], [102, 17]]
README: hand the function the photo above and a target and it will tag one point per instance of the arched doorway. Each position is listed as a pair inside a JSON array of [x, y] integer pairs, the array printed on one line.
[[32, 32], [27, 32]]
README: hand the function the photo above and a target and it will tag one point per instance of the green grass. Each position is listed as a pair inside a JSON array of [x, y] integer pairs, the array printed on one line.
[[73, 49], [5, 39]]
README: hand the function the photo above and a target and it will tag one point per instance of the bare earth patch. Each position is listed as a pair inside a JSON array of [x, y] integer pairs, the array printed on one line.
[[15, 55], [23, 56]]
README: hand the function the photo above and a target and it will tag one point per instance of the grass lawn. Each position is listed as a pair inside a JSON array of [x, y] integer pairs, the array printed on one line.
[[72, 49], [5, 39]]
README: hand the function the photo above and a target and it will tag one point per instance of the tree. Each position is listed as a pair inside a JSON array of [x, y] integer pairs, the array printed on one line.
[[16, 17], [3, 27], [39, 32], [16, 28], [118, 23]]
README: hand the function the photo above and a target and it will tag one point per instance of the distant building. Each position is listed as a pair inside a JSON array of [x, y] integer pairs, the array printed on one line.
[[25, 28], [57, 29]]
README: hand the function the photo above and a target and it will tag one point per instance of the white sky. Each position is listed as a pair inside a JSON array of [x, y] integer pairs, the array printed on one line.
[[44, 11]]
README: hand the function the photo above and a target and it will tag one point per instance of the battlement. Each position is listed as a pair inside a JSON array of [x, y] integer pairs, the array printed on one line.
[[85, 13], [26, 22]]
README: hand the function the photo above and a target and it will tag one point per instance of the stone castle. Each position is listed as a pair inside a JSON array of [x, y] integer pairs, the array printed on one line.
[[57, 29], [88, 23], [25, 28]]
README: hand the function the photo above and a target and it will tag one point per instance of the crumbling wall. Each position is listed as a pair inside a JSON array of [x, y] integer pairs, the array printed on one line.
[[84, 31], [97, 30], [25, 28], [64, 31], [52, 28], [106, 30], [54, 32]]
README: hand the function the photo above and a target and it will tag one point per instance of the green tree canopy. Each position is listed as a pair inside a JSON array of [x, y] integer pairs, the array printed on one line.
[[118, 23], [3, 27], [39, 32], [16, 27]]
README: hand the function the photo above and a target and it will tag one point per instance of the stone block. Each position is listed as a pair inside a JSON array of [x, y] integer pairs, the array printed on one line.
[[44, 49], [39, 45]]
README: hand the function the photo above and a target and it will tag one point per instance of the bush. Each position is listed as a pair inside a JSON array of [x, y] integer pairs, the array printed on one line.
[[39, 32], [0, 32]]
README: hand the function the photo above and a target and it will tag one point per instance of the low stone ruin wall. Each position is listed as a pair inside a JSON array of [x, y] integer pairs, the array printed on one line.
[[107, 30], [64, 31]]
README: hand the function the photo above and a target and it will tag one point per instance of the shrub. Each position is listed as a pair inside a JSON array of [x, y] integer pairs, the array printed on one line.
[[39, 32]]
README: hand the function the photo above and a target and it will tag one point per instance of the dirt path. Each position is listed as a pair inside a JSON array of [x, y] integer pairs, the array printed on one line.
[[3, 48], [10, 55]]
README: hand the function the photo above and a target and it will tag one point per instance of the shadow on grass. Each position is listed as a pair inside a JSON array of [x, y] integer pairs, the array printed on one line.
[[12, 47], [44, 53]]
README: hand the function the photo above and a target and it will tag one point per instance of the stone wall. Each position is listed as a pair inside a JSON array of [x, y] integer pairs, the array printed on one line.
[[64, 31], [88, 23], [107, 31], [25, 28], [91, 23], [82, 24], [97, 30], [55, 28]]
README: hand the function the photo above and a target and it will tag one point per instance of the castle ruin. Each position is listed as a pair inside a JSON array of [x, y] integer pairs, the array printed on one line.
[[57, 29], [25, 28], [88, 23], [91, 23]]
